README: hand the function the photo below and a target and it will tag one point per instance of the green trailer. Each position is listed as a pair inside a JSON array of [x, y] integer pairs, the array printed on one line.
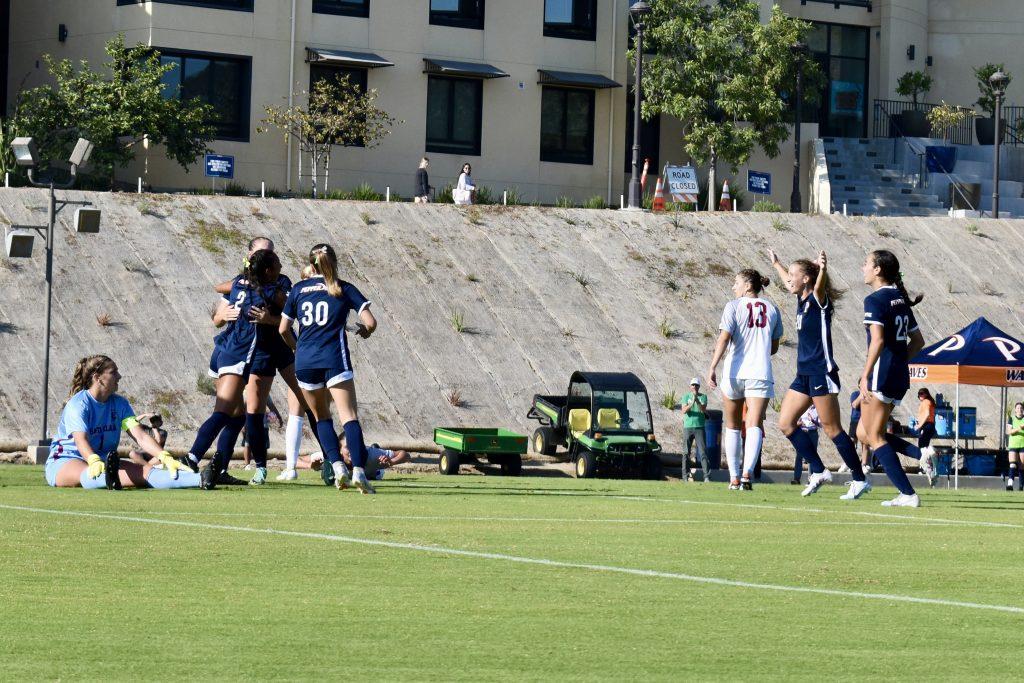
[[604, 423], [468, 445]]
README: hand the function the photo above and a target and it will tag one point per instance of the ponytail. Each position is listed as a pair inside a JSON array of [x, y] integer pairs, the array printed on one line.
[[889, 270], [753, 278], [811, 270], [86, 370], [257, 265], [325, 262]]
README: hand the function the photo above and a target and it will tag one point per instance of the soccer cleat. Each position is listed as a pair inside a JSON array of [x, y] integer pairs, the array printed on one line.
[[928, 465], [287, 475], [734, 485], [340, 477], [225, 479], [259, 477], [187, 461], [1009, 483], [113, 472], [857, 489], [360, 481], [745, 485], [327, 474], [816, 481], [208, 479], [903, 501]]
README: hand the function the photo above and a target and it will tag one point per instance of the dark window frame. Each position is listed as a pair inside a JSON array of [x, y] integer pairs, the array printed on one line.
[[583, 26], [460, 18], [340, 9], [361, 82], [245, 96], [449, 147], [244, 5], [562, 156]]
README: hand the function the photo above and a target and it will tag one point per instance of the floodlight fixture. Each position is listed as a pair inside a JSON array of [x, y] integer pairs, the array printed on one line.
[[80, 155], [87, 220], [19, 241], [26, 153]]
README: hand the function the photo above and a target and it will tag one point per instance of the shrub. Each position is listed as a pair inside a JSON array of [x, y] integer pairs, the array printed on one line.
[[366, 193], [484, 196], [512, 196], [595, 202], [565, 203], [669, 401], [766, 206], [444, 195], [235, 190]]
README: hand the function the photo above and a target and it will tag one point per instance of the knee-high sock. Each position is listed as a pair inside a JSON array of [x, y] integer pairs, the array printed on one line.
[[256, 435], [160, 478], [893, 469], [329, 441], [311, 420], [292, 441], [903, 447], [752, 450], [733, 456], [99, 482], [229, 436], [207, 433], [355, 443], [848, 452], [806, 450]]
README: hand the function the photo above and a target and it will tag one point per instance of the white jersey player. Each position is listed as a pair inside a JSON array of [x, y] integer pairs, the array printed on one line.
[[751, 328]]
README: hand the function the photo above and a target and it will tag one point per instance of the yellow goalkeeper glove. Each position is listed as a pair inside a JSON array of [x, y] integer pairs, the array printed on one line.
[[172, 464], [96, 466]]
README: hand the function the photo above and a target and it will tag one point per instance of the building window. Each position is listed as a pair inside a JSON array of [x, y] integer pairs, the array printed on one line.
[[460, 13], [576, 19], [454, 114], [222, 81], [240, 5], [567, 125], [356, 79], [347, 8]]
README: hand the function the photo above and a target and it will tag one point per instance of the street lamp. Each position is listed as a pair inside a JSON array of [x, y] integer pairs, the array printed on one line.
[[998, 81], [799, 51], [19, 242], [637, 12]]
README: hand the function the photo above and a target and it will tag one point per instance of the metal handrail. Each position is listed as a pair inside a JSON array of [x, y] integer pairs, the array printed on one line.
[[923, 175], [1013, 118], [886, 123]]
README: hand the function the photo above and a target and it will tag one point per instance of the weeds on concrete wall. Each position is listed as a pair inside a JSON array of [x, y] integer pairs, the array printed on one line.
[[989, 290], [457, 321], [568, 333], [666, 329], [718, 269], [780, 225], [455, 399], [472, 278], [579, 277], [365, 218], [473, 216], [670, 401], [205, 385], [104, 320], [214, 236]]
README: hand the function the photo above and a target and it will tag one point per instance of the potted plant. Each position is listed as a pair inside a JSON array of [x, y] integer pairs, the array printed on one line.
[[985, 126], [913, 122], [942, 158]]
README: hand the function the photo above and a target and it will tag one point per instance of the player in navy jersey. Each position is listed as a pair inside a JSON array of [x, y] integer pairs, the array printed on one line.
[[320, 307], [817, 374], [893, 339], [232, 362]]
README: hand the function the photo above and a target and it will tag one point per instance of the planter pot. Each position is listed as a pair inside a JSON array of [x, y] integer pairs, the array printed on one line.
[[914, 124], [985, 129]]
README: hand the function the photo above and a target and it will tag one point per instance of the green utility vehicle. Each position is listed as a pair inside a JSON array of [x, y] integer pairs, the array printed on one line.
[[499, 446], [604, 422]]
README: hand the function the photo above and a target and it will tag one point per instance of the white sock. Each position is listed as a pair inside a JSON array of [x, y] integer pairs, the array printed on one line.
[[357, 471], [753, 449], [292, 441], [733, 439], [340, 471]]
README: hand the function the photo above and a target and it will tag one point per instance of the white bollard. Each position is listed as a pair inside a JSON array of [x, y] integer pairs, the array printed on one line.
[[140, 185], [504, 198], [387, 194], [263, 189], [622, 201], [844, 208], [735, 206], [7, 179]]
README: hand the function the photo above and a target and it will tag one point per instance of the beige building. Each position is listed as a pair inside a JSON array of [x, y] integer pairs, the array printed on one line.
[[528, 91]]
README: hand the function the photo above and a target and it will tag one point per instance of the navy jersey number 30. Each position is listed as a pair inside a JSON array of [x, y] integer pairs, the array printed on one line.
[[321, 318]]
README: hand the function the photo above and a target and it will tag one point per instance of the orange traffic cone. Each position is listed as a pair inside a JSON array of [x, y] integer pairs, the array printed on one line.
[[659, 197], [725, 203]]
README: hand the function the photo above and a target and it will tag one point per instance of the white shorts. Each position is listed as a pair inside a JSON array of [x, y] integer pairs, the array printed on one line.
[[885, 399], [738, 389]]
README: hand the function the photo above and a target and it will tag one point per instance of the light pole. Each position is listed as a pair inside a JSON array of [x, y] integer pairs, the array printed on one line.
[[637, 11], [998, 81], [26, 154], [799, 51]]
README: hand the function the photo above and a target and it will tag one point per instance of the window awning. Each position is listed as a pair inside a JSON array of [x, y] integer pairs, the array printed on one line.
[[447, 67], [572, 79], [365, 60]]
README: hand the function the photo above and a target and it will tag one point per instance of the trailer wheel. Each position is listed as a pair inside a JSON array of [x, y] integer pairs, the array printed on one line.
[[448, 463], [653, 468], [544, 441], [512, 465], [585, 464]]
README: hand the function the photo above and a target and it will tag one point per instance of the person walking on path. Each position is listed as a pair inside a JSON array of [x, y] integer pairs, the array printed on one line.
[[422, 195], [464, 193], [695, 414]]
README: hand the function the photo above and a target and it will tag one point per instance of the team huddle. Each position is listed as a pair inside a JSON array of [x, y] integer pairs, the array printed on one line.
[[751, 332]]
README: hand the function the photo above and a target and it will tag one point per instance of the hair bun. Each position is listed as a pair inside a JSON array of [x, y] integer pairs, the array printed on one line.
[[765, 282]]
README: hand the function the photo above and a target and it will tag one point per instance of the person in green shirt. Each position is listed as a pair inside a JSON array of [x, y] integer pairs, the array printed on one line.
[[1015, 446], [695, 414]]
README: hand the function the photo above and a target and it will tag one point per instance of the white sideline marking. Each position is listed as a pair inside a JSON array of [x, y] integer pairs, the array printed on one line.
[[531, 560]]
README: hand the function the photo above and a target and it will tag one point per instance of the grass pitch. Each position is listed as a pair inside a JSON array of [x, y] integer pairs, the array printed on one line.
[[482, 578]]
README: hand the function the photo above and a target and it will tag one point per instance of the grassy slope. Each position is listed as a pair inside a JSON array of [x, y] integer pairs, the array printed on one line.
[[151, 601]]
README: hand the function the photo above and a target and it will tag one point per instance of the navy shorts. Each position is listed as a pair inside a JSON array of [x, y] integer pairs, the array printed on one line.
[[816, 385], [318, 378], [267, 362], [222, 363]]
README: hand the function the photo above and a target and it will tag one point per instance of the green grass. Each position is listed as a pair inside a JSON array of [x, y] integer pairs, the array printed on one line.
[[250, 602]]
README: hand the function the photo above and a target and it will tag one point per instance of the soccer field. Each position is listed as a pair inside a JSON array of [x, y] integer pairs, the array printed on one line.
[[482, 578]]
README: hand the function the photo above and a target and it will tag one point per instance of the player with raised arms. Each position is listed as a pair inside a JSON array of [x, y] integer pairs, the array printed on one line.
[[751, 328], [232, 362], [817, 374], [893, 339], [320, 306], [83, 452]]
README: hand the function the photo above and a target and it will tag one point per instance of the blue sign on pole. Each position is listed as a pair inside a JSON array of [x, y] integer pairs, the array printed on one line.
[[220, 166], [759, 183]]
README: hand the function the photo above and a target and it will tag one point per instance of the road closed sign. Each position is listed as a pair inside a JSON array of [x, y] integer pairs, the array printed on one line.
[[682, 184]]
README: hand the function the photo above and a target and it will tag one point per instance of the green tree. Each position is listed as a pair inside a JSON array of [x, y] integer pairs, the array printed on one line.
[[722, 72], [335, 113], [987, 101], [114, 108]]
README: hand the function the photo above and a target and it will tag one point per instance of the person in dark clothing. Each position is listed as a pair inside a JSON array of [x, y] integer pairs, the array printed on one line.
[[422, 195]]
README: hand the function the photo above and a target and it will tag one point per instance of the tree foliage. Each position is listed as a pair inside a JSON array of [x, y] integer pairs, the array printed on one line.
[[335, 113], [987, 101], [124, 101], [723, 72]]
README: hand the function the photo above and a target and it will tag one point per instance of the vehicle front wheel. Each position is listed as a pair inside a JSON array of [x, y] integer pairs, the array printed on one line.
[[585, 465], [448, 463]]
